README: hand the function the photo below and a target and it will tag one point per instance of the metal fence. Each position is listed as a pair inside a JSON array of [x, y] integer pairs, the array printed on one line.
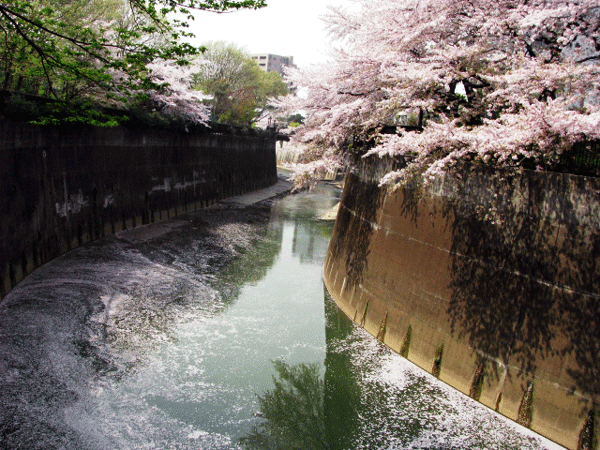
[[582, 159]]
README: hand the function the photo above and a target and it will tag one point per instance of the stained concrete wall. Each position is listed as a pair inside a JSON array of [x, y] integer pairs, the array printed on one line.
[[489, 280], [61, 187]]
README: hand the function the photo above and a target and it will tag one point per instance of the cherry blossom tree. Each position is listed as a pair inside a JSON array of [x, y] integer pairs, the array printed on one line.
[[175, 97], [509, 82], [81, 50]]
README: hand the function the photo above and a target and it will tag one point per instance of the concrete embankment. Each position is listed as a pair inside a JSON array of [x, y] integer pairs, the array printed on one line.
[[489, 280], [61, 187]]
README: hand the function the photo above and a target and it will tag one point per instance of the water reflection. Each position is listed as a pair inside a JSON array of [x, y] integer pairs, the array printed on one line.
[[252, 264], [201, 388], [342, 391], [371, 394], [311, 236], [369, 397], [292, 412], [199, 313]]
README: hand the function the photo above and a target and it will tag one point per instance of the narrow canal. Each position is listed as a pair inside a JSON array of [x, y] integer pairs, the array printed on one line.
[[213, 331]]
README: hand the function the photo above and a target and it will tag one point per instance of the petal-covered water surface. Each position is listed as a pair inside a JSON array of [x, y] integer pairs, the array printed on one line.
[[213, 331]]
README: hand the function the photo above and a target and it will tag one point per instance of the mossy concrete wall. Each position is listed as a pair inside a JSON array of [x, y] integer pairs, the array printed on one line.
[[61, 187], [489, 280]]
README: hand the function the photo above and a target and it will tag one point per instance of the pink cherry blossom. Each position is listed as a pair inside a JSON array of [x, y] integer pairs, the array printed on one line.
[[499, 82], [177, 98]]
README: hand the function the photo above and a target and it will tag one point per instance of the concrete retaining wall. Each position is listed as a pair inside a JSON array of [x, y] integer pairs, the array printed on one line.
[[61, 187], [489, 280]]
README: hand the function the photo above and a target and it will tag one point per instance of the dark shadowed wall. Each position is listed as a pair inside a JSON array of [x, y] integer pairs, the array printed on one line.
[[489, 280], [61, 187]]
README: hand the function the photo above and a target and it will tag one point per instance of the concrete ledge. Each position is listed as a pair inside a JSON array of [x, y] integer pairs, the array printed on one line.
[[281, 187]]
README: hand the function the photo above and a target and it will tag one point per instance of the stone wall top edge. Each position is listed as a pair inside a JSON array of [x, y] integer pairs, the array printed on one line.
[[25, 135], [494, 188]]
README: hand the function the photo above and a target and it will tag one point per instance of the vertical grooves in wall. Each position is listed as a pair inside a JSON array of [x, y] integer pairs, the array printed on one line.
[[61, 187], [500, 266]]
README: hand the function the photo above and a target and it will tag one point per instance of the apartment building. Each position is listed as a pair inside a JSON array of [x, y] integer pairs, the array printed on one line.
[[273, 63]]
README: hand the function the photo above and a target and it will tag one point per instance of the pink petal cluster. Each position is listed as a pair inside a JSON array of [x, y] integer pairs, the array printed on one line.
[[305, 173], [499, 82], [177, 98]]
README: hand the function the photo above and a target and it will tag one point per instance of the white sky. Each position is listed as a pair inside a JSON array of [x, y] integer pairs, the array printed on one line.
[[283, 27]]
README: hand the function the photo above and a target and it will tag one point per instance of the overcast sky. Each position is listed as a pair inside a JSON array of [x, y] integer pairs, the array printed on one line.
[[284, 27]]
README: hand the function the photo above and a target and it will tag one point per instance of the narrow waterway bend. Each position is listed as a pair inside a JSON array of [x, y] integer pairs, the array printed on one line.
[[213, 331]]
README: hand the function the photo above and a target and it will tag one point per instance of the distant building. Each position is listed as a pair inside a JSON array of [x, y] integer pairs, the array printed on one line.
[[273, 63], [276, 63]]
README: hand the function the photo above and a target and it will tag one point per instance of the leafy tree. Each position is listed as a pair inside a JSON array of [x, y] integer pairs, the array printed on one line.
[[239, 88], [269, 85], [507, 82], [69, 48], [296, 118], [20, 58]]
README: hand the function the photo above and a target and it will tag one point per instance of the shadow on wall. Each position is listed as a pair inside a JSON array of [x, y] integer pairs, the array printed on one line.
[[353, 229], [524, 269], [491, 277]]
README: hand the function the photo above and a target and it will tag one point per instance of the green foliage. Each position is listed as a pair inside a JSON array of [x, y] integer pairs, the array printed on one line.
[[71, 50], [296, 118], [437, 361], [79, 112], [293, 411], [525, 414], [406, 343], [240, 90], [477, 383], [269, 84], [47, 112]]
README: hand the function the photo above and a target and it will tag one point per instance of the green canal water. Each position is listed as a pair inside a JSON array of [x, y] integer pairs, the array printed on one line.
[[182, 349]]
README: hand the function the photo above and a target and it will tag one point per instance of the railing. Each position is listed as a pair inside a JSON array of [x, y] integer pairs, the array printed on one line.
[[583, 159]]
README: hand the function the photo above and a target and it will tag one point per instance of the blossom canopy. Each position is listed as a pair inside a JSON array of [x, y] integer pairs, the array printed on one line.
[[503, 81]]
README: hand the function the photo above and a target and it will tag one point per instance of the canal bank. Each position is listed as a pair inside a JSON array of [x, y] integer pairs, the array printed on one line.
[[64, 186], [91, 315], [488, 279], [214, 332]]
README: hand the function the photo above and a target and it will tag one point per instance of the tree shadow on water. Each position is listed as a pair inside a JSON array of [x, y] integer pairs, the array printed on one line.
[[292, 412]]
